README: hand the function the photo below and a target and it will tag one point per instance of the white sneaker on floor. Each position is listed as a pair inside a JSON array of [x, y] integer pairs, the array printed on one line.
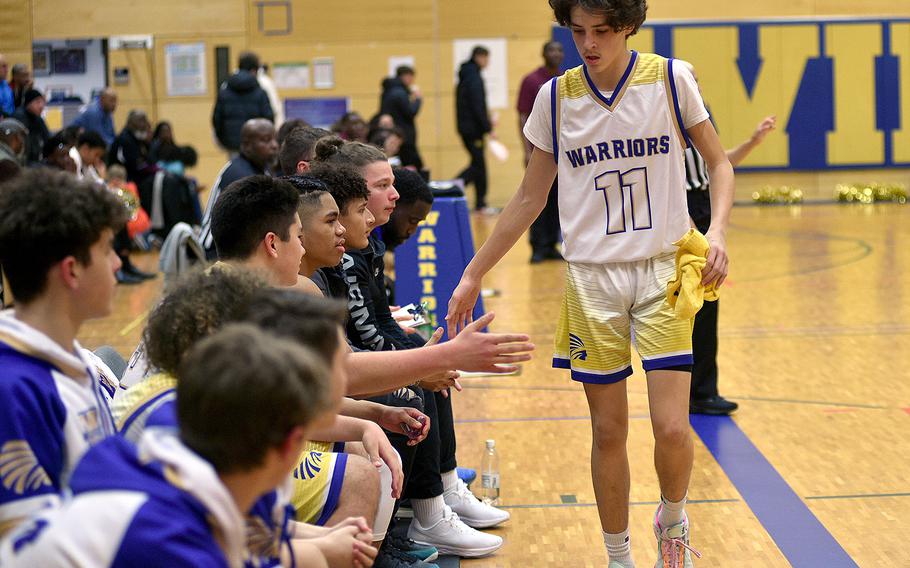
[[474, 512], [451, 536]]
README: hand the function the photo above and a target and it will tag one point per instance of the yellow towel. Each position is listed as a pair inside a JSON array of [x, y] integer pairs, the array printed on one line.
[[685, 292]]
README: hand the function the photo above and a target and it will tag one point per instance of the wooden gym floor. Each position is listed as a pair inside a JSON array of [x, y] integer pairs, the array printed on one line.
[[812, 471]]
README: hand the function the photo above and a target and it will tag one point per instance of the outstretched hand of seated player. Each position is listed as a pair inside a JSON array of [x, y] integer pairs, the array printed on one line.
[[377, 446], [489, 352]]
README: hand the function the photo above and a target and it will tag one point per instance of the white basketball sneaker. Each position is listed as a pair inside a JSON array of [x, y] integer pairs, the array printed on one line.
[[673, 544], [474, 512], [451, 536]]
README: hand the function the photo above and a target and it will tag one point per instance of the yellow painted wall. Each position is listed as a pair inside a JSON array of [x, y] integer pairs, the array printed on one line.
[[361, 35], [15, 31]]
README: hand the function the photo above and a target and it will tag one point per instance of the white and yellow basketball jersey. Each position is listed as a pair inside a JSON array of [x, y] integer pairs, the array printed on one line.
[[620, 158]]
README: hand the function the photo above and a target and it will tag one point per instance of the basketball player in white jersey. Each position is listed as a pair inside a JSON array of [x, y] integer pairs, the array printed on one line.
[[615, 129]]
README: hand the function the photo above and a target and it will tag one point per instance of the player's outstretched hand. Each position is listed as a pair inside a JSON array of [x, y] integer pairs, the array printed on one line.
[[717, 265], [490, 352], [461, 306]]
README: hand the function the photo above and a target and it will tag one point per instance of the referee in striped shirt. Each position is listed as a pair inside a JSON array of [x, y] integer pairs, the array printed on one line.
[[703, 394]]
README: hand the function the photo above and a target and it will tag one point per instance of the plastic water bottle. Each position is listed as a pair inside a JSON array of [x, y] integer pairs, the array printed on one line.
[[489, 475]]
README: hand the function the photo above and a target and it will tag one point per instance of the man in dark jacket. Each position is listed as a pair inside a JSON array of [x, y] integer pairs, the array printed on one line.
[[401, 100], [239, 100], [29, 114], [474, 121]]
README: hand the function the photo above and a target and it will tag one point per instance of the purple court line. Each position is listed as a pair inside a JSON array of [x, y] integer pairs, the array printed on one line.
[[799, 535]]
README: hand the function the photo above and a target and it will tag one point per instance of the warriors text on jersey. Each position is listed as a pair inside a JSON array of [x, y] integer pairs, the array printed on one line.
[[620, 157]]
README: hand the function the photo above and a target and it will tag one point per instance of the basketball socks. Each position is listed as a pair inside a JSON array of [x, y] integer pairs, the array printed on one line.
[[671, 513], [619, 548], [449, 481], [428, 512]]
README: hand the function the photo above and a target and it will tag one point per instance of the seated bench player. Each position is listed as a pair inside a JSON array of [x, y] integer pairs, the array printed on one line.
[[197, 306], [55, 249], [244, 402]]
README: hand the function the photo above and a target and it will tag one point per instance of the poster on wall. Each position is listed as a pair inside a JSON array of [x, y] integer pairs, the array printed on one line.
[[324, 73], [69, 61], [41, 60], [321, 112], [292, 75], [185, 69], [496, 74]]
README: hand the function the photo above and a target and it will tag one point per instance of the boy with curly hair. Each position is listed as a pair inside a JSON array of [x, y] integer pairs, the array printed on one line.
[[615, 129]]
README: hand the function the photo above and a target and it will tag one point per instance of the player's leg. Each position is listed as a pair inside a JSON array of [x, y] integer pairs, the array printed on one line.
[[329, 487], [359, 492], [385, 504], [668, 399], [665, 345], [593, 339], [609, 461]]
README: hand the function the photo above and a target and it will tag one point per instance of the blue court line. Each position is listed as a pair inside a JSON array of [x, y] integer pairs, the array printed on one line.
[[799, 535]]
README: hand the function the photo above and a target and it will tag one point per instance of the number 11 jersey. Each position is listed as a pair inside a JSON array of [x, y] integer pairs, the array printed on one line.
[[619, 157]]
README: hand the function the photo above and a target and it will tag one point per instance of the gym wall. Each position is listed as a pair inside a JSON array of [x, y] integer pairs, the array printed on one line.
[[362, 35]]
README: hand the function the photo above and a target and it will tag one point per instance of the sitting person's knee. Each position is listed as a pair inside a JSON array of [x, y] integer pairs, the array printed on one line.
[[361, 483]]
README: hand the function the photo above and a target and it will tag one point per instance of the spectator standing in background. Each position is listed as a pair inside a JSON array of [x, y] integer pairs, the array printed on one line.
[[401, 100], [99, 116], [474, 123], [240, 99], [29, 114], [544, 234], [7, 102], [20, 82]]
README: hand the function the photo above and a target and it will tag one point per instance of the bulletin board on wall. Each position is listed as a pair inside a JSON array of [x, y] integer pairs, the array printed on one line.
[[320, 112], [834, 84]]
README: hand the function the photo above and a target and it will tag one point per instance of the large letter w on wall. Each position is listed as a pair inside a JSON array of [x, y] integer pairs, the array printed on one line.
[[772, 67]]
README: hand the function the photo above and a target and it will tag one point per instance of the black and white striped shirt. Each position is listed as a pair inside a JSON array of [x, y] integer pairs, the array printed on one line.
[[696, 171]]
